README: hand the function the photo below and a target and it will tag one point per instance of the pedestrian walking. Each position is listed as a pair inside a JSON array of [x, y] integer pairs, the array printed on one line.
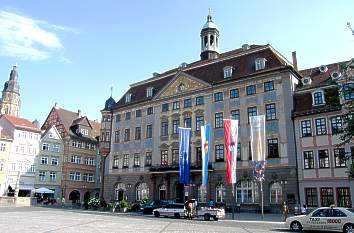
[[285, 210]]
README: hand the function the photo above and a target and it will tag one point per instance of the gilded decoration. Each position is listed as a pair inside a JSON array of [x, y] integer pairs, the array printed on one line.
[[182, 84]]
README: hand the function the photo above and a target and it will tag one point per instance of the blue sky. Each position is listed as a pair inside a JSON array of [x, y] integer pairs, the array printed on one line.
[[72, 52]]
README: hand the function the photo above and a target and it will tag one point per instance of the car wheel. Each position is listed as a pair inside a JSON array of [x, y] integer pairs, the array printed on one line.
[[156, 214], [206, 217], [177, 215], [296, 226], [348, 228], [215, 218]]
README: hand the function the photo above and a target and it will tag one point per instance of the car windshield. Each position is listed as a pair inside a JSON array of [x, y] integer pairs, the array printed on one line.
[[351, 210]]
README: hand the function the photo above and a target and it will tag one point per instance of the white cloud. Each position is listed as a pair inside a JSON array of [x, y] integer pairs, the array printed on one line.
[[29, 39]]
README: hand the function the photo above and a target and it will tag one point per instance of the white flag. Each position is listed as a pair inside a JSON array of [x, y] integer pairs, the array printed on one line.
[[258, 145]]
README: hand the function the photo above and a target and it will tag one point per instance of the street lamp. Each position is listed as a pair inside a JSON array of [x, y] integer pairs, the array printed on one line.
[[283, 183]]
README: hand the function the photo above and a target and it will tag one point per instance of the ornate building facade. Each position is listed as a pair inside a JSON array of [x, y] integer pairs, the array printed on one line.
[[10, 101], [80, 135], [140, 132]]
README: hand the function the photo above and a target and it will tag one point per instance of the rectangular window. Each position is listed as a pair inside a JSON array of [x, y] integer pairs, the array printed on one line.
[[199, 121], [234, 93], [90, 177], [343, 197], [149, 131], [199, 100], [126, 135], [148, 159], [44, 160], [188, 122], [321, 128], [56, 148], [137, 133], [348, 91], [239, 152], [311, 197], [271, 112], [138, 113], [136, 160], [164, 128], [45, 146], [77, 176], [175, 105], [53, 176], [219, 153], [149, 111], [235, 115], [251, 111], [164, 157], [218, 96], [339, 157], [187, 103], [251, 90], [115, 162], [54, 162], [127, 115], [117, 136], [175, 124], [72, 176], [317, 98], [306, 128], [337, 126], [2, 146], [273, 151], [309, 162], [84, 176], [327, 197], [125, 161], [323, 158], [219, 120], [198, 153], [175, 157], [268, 86], [42, 175], [76, 159], [118, 118], [164, 107]]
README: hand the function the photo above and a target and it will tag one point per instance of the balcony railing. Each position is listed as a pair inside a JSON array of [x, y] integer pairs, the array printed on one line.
[[171, 167]]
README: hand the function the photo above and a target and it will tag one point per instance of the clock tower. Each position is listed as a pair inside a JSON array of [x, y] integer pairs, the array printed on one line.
[[10, 101]]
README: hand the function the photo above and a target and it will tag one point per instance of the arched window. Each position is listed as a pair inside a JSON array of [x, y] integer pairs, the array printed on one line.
[[119, 191], [276, 193], [142, 191], [247, 192], [220, 193], [211, 40], [202, 194], [205, 41]]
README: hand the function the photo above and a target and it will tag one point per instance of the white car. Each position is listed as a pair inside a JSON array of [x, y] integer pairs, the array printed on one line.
[[170, 210], [324, 219]]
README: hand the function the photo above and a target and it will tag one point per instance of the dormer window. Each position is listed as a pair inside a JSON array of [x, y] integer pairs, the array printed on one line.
[[318, 98], [149, 91], [306, 81], [227, 71], [260, 63], [128, 97]]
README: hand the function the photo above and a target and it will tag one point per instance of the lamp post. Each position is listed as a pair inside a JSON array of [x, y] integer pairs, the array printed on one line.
[[283, 183]]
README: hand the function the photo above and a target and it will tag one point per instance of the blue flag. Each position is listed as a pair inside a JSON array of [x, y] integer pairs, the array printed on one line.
[[205, 134], [184, 154]]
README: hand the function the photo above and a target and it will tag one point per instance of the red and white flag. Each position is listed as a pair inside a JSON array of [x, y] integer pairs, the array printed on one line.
[[231, 140]]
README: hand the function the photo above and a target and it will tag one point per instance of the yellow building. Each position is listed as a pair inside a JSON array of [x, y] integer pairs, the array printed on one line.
[[5, 145]]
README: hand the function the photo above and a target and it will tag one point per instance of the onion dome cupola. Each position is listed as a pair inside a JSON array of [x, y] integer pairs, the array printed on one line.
[[209, 39]]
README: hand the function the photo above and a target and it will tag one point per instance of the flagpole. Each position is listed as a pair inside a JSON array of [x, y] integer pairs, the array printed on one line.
[[261, 181], [233, 201]]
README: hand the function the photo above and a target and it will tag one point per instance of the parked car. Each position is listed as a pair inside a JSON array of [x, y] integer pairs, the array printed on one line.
[[148, 208], [170, 210], [324, 219]]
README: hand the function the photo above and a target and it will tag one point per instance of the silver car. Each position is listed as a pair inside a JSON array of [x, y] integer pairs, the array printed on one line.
[[324, 219], [170, 210]]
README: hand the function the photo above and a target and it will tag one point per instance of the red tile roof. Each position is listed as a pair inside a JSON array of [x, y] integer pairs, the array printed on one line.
[[211, 71], [20, 122]]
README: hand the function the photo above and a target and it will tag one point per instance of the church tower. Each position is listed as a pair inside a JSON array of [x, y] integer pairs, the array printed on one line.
[[210, 40], [10, 101]]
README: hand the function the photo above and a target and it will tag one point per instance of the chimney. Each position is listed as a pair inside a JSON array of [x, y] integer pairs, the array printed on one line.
[[294, 60], [79, 113], [56, 106]]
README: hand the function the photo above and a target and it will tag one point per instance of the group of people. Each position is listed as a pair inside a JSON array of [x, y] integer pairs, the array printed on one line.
[[285, 210]]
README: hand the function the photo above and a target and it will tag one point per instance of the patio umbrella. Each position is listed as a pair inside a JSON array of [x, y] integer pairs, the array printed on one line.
[[43, 190]]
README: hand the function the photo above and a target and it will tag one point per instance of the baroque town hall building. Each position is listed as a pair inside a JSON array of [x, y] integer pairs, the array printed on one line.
[[140, 131]]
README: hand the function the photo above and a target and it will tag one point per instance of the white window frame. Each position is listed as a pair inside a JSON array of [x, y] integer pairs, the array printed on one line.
[[149, 91], [322, 97], [53, 176], [260, 63], [128, 97], [44, 158], [227, 71]]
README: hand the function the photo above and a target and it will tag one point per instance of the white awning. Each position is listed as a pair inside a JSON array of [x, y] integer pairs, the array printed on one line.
[[43, 190]]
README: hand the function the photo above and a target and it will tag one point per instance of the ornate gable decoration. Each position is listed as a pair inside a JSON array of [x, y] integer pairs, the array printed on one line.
[[181, 83]]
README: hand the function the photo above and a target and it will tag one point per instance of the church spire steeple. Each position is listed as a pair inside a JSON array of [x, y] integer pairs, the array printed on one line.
[[10, 101], [209, 39]]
